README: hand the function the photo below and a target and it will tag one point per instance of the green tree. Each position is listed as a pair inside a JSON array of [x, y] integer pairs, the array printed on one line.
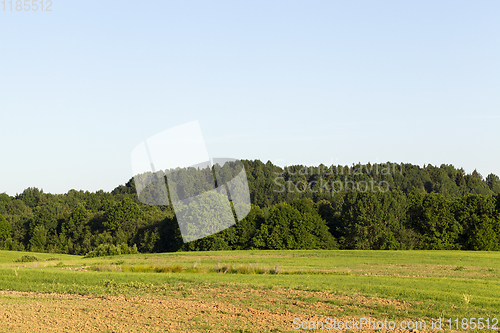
[[246, 229], [44, 215], [31, 196], [470, 210], [73, 230], [124, 211], [373, 220], [208, 215], [493, 182], [38, 239], [476, 184], [275, 234], [149, 241], [315, 225], [4, 200], [5, 228], [434, 220], [288, 228], [485, 236]]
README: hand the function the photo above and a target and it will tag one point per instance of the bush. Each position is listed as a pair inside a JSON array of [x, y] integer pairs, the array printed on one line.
[[27, 258], [107, 249]]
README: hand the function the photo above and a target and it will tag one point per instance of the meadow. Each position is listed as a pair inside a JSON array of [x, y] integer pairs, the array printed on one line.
[[246, 291]]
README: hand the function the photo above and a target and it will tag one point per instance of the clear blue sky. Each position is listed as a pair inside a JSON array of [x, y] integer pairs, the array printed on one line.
[[294, 82]]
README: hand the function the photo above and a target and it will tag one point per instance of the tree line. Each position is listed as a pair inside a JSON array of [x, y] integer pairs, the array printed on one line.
[[385, 206]]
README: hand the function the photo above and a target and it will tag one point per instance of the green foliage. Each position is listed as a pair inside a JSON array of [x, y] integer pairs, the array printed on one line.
[[207, 215], [5, 228], [435, 222], [470, 211], [73, 227], [107, 249], [149, 240], [493, 182], [374, 220], [430, 207], [27, 258], [124, 211], [476, 184], [31, 196], [288, 228], [38, 240], [485, 236], [246, 229]]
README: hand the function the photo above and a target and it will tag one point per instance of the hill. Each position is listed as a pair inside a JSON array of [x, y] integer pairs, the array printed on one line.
[[379, 206]]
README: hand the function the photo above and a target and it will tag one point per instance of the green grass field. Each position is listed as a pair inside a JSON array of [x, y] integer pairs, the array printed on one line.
[[432, 284]]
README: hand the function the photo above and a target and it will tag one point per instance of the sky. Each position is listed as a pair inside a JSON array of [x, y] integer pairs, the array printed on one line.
[[293, 82]]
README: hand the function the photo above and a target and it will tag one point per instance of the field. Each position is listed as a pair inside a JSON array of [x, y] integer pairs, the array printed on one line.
[[247, 291]]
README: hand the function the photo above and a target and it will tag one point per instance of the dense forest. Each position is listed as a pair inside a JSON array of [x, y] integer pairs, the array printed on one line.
[[380, 206]]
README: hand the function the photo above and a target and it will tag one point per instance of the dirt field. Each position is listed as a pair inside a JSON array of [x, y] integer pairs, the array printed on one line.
[[188, 310]]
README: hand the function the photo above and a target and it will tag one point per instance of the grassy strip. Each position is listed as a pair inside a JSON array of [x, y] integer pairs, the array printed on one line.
[[224, 269]]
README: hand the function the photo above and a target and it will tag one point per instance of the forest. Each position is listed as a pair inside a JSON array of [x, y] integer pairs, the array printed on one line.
[[381, 206]]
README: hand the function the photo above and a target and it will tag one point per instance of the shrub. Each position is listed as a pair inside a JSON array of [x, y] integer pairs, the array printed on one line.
[[27, 258]]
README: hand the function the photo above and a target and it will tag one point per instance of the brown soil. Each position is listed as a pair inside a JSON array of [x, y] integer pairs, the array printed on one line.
[[203, 310]]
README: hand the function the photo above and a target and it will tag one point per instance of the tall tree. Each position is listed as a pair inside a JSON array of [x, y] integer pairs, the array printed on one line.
[[5, 228], [434, 220], [493, 182]]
